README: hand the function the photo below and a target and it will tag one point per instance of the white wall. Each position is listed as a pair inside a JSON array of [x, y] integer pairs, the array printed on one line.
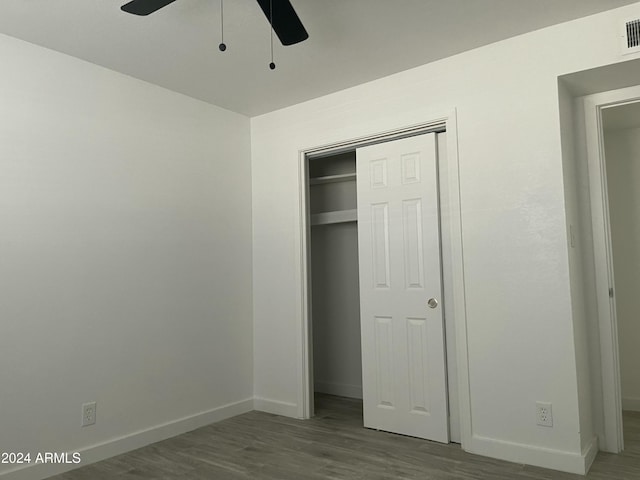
[[125, 264], [622, 150], [520, 319]]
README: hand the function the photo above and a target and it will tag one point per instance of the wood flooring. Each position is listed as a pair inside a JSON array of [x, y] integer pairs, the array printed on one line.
[[333, 445]]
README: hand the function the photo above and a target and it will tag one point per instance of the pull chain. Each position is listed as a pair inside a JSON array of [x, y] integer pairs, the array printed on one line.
[[222, 45], [272, 65]]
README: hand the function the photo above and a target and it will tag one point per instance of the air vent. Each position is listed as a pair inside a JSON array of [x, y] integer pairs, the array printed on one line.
[[633, 34], [631, 37]]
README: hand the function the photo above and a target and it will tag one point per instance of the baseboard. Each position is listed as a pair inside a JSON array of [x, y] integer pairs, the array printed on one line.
[[631, 403], [111, 448], [531, 455], [276, 407], [340, 389], [589, 453]]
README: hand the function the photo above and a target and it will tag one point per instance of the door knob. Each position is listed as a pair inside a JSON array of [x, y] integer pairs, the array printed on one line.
[[432, 303]]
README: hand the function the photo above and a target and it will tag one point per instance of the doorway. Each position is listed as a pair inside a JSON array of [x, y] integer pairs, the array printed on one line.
[[611, 138], [332, 322], [621, 135]]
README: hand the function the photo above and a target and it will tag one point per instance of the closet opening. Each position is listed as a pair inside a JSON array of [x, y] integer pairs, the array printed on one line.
[[333, 294]]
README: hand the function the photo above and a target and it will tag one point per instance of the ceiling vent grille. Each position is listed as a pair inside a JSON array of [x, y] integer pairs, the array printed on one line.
[[631, 37]]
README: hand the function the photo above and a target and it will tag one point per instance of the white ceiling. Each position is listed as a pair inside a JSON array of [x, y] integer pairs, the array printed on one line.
[[351, 41]]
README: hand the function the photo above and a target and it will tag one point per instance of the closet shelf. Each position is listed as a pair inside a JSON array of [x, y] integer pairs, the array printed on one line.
[[340, 216], [345, 177]]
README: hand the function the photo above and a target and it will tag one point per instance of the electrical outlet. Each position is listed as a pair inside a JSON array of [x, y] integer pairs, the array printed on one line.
[[88, 413], [544, 414]]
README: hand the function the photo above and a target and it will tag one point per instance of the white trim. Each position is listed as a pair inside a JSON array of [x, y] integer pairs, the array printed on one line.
[[304, 350], [537, 456], [276, 407], [305, 345], [454, 213], [611, 437], [127, 443], [346, 145], [631, 404], [340, 389], [589, 453]]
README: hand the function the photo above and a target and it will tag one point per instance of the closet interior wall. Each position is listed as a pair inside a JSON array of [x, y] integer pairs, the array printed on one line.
[[335, 299]]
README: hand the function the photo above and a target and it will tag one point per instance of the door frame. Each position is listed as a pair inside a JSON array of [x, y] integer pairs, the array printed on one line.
[[450, 208], [611, 437]]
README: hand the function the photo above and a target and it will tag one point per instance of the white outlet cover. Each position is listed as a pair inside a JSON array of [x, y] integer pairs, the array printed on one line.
[[88, 414], [544, 414]]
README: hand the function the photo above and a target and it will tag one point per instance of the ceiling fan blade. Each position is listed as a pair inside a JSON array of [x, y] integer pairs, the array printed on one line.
[[145, 7], [286, 22]]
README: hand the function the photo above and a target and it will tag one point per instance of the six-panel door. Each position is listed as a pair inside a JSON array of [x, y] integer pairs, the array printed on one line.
[[403, 345]]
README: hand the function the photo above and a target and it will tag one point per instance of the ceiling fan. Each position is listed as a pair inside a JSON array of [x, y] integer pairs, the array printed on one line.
[[280, 13]]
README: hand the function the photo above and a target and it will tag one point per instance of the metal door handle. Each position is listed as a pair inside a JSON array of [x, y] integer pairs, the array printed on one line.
[[432, 303]]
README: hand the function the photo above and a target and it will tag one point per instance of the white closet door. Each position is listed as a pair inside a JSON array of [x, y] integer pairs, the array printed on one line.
[[403, 345]]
